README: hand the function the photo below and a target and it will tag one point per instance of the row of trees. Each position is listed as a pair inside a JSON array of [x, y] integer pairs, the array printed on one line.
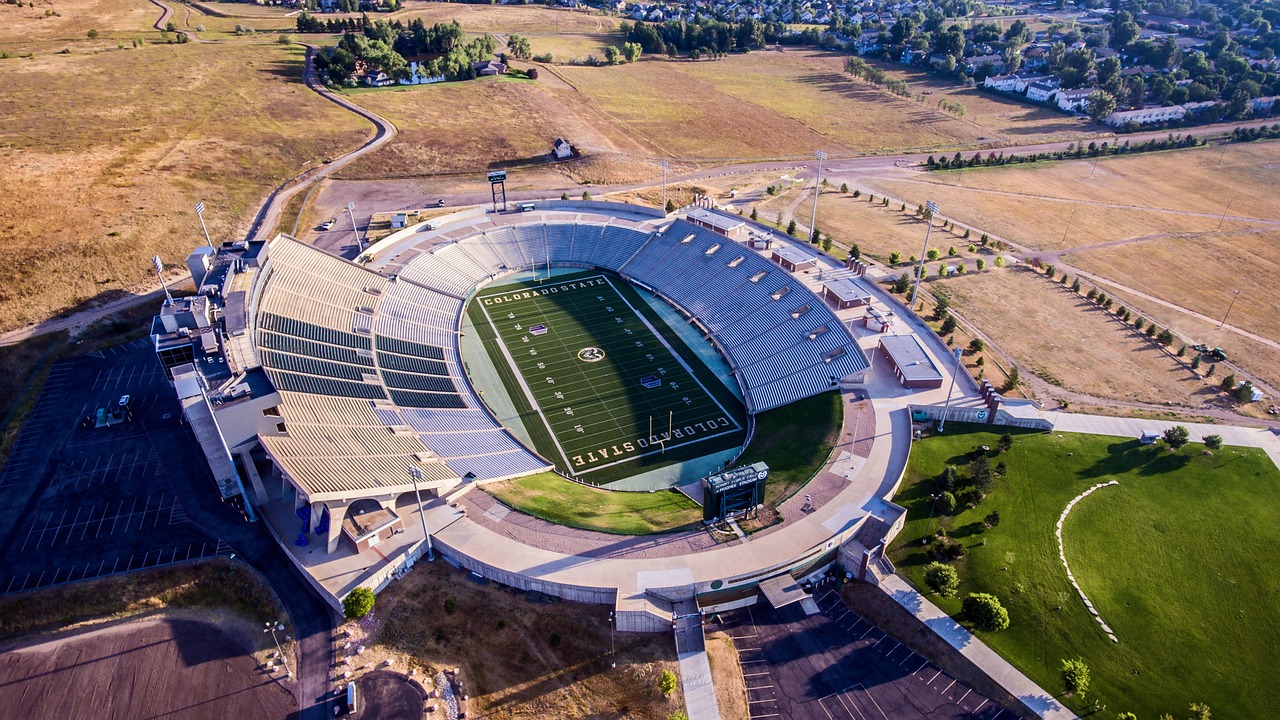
[[863, 70], [1093, 149], [382, 46]]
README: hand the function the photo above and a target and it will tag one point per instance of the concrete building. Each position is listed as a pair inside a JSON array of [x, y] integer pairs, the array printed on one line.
[[727, 225], [793, 259], [846, 293], [911, 364]]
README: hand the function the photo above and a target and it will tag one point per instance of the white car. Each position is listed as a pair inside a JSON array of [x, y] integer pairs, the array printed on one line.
[[326, 225]]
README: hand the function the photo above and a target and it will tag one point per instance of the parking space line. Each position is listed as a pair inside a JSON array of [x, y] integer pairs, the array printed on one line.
[[965, 695], [905, 659], [953, 682]]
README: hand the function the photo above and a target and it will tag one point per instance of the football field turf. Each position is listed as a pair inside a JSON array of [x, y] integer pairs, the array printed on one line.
[[604, 381]]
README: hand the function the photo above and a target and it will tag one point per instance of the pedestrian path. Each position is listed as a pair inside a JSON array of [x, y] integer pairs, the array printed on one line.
[[997, 668], [695, 669]]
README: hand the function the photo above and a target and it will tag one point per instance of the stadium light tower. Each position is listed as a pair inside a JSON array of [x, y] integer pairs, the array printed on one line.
[[351, 213], [415, 472], [272, 627], [813, 218], [930, 209], [200, 214], [664, 185], [159, 266], [956, 371]]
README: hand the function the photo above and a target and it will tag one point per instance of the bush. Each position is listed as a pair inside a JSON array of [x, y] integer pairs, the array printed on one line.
[[970, 497], [284, 40], [944, 503], [1213, 442], [895, 258], [992, 519], [942, 579], [982, 264], [1075, 677], [667, 682], [531, 73], [985, 612], [357, 603], [554, 640], [1177, 436], [1229, 382], [450, 604]]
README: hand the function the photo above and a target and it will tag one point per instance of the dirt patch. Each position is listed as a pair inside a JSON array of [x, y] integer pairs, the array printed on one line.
[[517, 658], [726, 675], [152, 668]]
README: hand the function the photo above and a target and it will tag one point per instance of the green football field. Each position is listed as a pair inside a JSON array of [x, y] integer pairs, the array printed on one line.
[[606, 384]]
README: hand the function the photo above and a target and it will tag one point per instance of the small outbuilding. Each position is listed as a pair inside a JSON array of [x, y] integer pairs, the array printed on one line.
[[399, 220], [730, 227], [879, 321], [562, 149], [368, 523], [846, 293], [911, 364], [792, 259], [489, 67]]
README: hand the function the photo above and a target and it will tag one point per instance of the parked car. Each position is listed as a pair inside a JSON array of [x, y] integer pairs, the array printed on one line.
[[326, 225]]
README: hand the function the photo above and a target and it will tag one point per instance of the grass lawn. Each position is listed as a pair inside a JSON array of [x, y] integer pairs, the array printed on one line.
[[554, 499], [1168, 558], [794, 441]]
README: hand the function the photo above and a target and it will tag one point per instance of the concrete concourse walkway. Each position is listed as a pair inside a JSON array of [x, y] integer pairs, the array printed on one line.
[[1265, 439], [997, 668]]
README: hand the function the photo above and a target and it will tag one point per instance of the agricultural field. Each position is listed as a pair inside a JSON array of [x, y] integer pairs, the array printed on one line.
[[1194, 620], [568, 49], [786, 103], [96, 177], [608, 388], [1068, 341]]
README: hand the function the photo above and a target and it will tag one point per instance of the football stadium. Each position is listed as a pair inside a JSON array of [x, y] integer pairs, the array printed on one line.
[[591, 354]]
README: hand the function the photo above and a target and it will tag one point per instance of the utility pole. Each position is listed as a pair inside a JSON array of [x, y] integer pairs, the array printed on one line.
[[200, 214], [930, 208], [272, 627], [813, 218], [1234, 296], [415, 472], [1224, 214], [956, 371], [159, 266], [1068, 228]]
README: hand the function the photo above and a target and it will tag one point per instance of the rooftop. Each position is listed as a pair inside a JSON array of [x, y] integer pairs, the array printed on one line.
[[909, 355], [715, 219], [793, 255], [848, 289]]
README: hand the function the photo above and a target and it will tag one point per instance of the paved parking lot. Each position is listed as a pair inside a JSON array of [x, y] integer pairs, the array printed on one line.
[[79, 502], [837, 666]]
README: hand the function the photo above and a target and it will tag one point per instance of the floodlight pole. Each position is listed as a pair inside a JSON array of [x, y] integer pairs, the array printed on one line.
[[930, 208], [943, 422], [813, 217], [351, 206], [664, 185], [159, 266], [200, 214], [416, 473], [613, 653]]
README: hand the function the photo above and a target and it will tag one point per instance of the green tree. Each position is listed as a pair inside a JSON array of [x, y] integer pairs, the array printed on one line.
[[1177, 436], [1006, 442], [903, 283], [1014, 379], [1244, 392], [948, 326], [999, 261], [952, 252], [932, 254], [992, 519], [667, 682], [671, 207], [1213, 442], [564, 196], [1228, 383], [682, 715], [976, 345], [895, 258], [943, 579], [1195, 362], [1075, 285], [985, 612], [1200, 711], [944, 305], [944, 503], [844, 188], [791, 227], [518, 47], [857, 194], [981, 474], [1075, 677], [586, 194], [754, 215], [357, 603], [1100, 104], [631, 51], [855, 252], [982, 264], [1165, 337], [611, 55]]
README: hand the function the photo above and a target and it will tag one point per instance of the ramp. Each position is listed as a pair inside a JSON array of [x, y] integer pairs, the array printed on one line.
[[695, 669]]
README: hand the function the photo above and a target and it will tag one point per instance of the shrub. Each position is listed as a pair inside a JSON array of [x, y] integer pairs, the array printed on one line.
[[1177, 436], [970, 497], [844, 188], [947, 479], [932, 254], [944, 503], [992, 519], [976, 345], [667, 682], [1139, 323], [943, 579], [357, 603], [450, 604], [985, 612], [895, 258], [1006, 442], [554, 640], [982, 264], [1229, 382], [1075, 677], [1165, 338], [999, 261], [284, 40], [948, 325], [1195, 362], [532, 73], [1213, 442], [857, 193], [586, 194], [678, 715]]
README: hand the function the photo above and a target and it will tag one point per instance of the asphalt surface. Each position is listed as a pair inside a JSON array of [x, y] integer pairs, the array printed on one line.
[[81, 502], [389, 695], [836, 666]]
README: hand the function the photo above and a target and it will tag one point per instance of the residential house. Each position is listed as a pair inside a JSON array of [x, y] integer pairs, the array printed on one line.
[[562, 149], [973, 64], [489, 67], [1074, 100], [1150, 115], [1042, 91], [1012, 83]]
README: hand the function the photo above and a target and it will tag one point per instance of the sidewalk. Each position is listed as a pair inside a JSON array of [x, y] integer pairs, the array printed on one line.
[[997, 668]]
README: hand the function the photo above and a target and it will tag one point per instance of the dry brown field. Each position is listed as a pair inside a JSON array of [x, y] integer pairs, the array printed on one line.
[[1068, 341], [786, 103], [104, 152], [471, 126], [518, 659], [570, 48], [31, 30], [507, 19], [726, 675]]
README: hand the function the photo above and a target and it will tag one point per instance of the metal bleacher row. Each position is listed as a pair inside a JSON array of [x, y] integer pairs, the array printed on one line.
[[330, 334]]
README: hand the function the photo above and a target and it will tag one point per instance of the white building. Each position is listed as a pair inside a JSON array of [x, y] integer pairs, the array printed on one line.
[[1012, 83], [1042, 91], [1074, 100]]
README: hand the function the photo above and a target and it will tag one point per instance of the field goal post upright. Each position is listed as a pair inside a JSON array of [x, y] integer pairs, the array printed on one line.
[[498, 189]]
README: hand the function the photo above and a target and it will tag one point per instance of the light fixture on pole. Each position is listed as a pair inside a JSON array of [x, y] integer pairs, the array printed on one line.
[[159, 266], [664, 184], [813, 217], [930, 209], [415, 472], [272, 627], [200, 214], [1227, 314], [956, 371], [613, 656], [351, 207]]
